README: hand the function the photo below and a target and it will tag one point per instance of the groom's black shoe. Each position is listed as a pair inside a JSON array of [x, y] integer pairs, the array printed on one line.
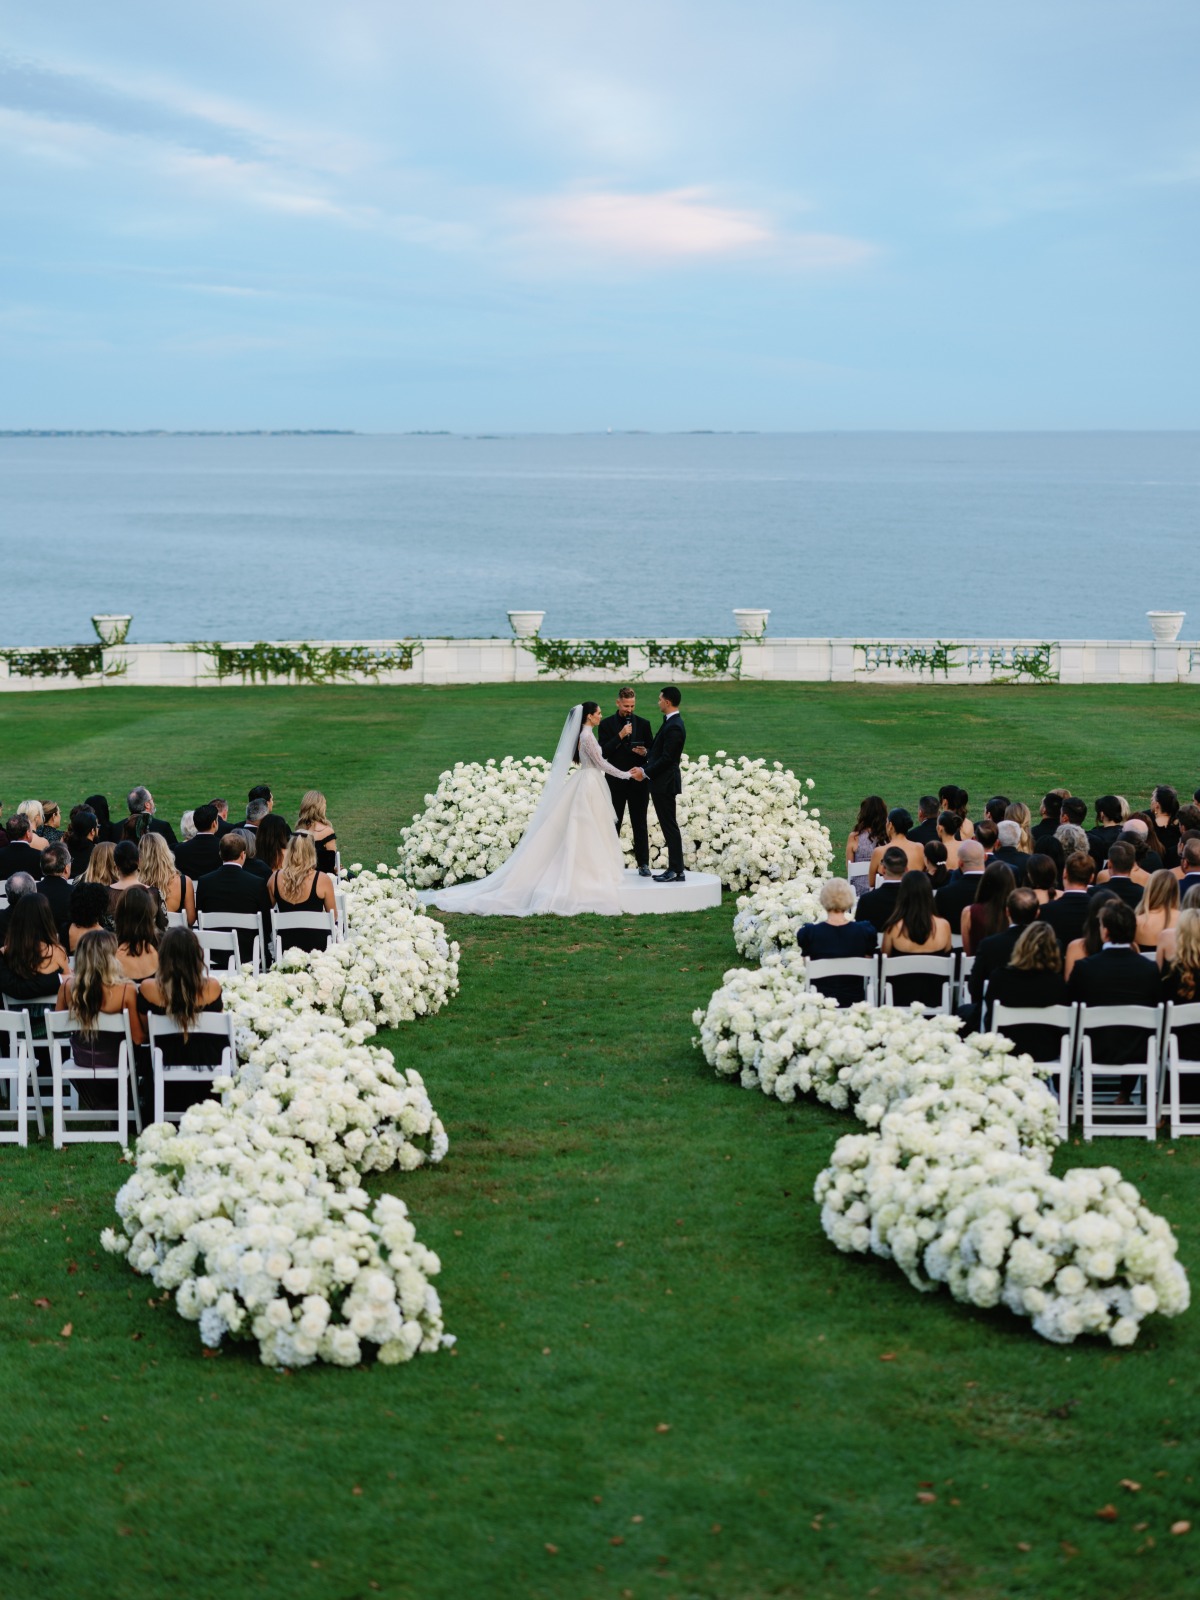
[[643, 871], [668, 877]]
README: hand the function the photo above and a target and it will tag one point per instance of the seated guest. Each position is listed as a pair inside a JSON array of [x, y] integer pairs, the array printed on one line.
[[949, 828], [914, 929], [252, 864], [157, 869], [137, 934], [35, 816], [996, 951], [261, 794], [89, 911], [1018, 812], [1107, 831], [1072, 840], [988, 839], [898, 823], [876, 905], [987, 914], [1158, 909], [1188, 818], [256, 810], [1033, 978], [271, 841], [1091, 941], [102, 865], [319, 828], [1074, 811], [867, 834], [15, 886], [1049, 847], [51, 826], [97, 989], [1121, 861], [187, 826], [32, 962], [1041, 877], [183, 990], [996, 808], [1117, 976], [56, 870], [1188, 870], [1164, 808], [936, 868], [928, 810], [1051, 815], [1134, 834], [126, 860], [298, 886], [19, 855], [1007, 849], [82, 835], [110, 831], [1067, 913], [952, 900], [200, 855], [221, 807], [233, 890], [141, 819], [1181, 984], [952, 798], [837, 939], [1138, 830]]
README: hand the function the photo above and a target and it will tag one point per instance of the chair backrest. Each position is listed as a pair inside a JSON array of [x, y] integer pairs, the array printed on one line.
[[901, 965], [222, 920], [857, 869], [303, 919], [14, 1034], [218, 1023], [863, 967], [1093, 1018], [177, 919], [1042, 1016], [214, 943]]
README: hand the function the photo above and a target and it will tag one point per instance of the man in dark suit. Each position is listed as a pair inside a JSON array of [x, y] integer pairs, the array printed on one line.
[[997, 950], [1009, 837], [877, 905], [1121, 859], [141, 805], [1118, 976], [953, 898], [231, 888], [1107, 831], [56, 868], [1051, 816], [927, 815], [1067, 914], [18, 855], [224, 826], [1189, 860], [199, 856], [624, 739], [661, 771]]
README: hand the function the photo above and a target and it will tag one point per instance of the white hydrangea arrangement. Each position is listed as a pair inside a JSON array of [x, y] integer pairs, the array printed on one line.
[[769, 919], [748, 821], [953, 1183]]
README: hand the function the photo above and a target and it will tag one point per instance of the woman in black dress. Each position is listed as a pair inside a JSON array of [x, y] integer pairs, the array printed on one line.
[[33, 962], [183, 989], [1033, 979], [313, 821], [300, 886]]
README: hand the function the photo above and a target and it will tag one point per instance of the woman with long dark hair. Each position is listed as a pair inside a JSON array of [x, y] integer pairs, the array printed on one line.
[[1091, 941], [183, 990], [271, 840], [988, 914], [135, 921], [98, 806], [935, 864], [33, 961], [914, 929], [865, 837]]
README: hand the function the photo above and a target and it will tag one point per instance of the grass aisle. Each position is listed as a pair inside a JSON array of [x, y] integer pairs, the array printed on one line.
[[667, 1382]]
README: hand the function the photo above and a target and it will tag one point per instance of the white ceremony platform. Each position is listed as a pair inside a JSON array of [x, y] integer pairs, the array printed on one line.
[[699, 891]]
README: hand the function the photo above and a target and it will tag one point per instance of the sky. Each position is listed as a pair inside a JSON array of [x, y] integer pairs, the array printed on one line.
[[573, 216]]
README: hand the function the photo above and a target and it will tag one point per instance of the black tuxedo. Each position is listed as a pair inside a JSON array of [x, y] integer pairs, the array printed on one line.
[[1101, 840], [1015, 860], [877, 905], [58, 892], [924, 832], [154, 826], [1124, 889], [625, 792], [258, 868], [661, 767], [20, 857], [1118, 977], [1046, 828], [1188, 881], [235, 890], [197, 857], [1066, 916], [993, 953], [224, 827], [953, 898]]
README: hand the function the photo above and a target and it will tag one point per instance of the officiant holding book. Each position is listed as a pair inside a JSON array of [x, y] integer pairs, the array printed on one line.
[[624, 738]]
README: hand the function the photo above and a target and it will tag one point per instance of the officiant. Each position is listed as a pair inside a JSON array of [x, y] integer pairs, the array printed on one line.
[[624, 739]]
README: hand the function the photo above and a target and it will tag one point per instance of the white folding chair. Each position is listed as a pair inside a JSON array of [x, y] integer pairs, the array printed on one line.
[[1060, 1068], [17, 1070], [224, 921], [857, 870], [283, 922], [214, 1024], [965, 963], [177, 919], [902, 966], [60, 1026], [1184, 1115], [337, 863], [1108, 1117], [865, 968], [221, 949], [343, 921]]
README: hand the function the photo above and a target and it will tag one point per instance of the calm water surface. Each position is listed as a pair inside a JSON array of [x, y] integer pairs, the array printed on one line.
[[1050, 535]]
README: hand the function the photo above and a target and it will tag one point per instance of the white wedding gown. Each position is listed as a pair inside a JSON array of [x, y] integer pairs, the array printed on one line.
[[569, 859]]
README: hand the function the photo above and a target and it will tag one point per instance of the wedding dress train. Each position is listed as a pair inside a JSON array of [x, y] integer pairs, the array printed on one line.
[[569, 859]]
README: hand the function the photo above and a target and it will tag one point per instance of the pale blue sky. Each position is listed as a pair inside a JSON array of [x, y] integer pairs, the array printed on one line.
[[557, 216]]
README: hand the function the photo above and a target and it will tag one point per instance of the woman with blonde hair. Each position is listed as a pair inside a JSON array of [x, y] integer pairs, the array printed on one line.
[[1019, 813], [51, 826], [1033, 978], [1181, 980], [300, 885], [101, 867], [98, 988], [839, 937], [314, 821], [157, 870], [1158, 909], [32, 811]]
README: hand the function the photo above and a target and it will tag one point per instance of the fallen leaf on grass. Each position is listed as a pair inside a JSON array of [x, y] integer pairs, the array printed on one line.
[[356, 1489], [42, 1303], [65, 1331], [890, 1355], [1107, 1514], [1025, 1548], [616, 1539], [1130, 1484], [1181, 1527], [925, 1498], [550, 1549], [662, 1427]]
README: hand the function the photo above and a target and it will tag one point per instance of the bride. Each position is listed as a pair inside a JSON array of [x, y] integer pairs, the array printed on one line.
[[569, 859]]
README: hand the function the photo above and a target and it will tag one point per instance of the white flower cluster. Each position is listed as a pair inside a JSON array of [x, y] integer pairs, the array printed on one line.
[[768, 919], [472, 823], [953, 1184], [258, 1243], [747, 821]]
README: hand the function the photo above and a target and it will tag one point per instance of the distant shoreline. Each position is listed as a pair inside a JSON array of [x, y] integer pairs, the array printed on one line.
[[175, 433]]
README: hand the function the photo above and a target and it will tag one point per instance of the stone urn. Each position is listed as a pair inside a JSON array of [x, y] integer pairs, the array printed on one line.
[[751, 624], [526, 624], [113, 629], [1165, 625]]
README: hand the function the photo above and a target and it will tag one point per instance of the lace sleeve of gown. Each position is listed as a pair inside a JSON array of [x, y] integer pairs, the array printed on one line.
[[589, 755]]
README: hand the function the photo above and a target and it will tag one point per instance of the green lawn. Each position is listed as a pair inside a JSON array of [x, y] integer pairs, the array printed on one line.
[[667, 1383]]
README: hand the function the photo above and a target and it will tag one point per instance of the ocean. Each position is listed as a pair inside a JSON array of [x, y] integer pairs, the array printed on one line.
[[1039, 535]]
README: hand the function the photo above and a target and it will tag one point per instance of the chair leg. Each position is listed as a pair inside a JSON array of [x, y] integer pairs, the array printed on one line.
[[58, 1106], [122, 1105], [159, 1093], [22, 1112]]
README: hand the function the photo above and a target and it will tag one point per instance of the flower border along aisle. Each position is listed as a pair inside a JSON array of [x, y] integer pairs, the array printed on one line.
[[953, 1181], [251, 1210], [746, 820]]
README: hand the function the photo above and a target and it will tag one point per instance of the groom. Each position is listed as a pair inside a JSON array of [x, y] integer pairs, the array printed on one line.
[[661, 771]]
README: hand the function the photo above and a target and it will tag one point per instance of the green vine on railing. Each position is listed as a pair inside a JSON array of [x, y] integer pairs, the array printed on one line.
[[307, 663], [699, 658], [577, 655], [1005, 663], [1021, 663], [939, 657], [63, 661]]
